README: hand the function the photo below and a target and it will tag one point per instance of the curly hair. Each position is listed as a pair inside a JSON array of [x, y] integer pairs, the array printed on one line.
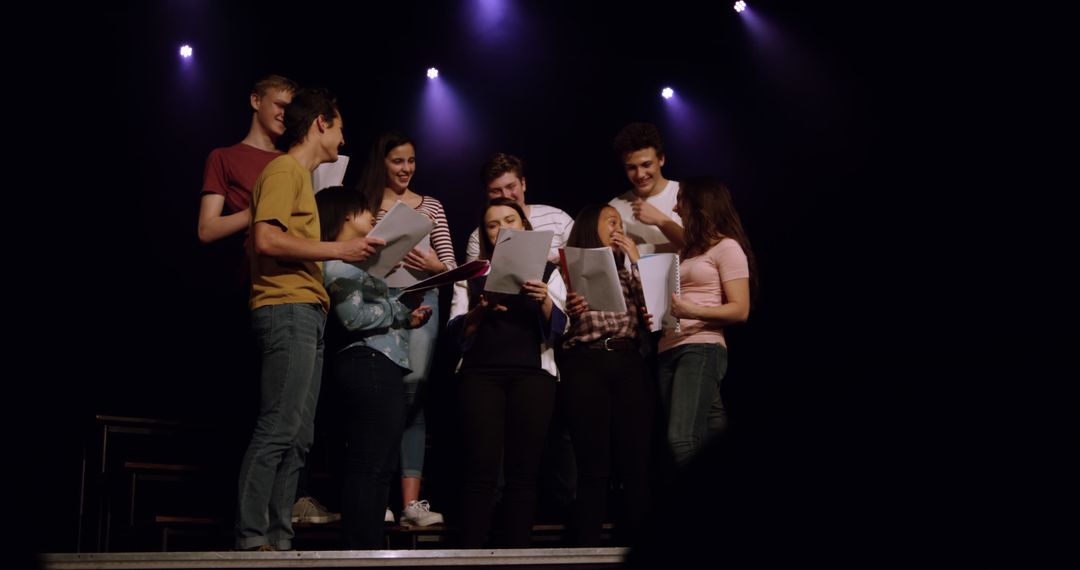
[[637, 136]]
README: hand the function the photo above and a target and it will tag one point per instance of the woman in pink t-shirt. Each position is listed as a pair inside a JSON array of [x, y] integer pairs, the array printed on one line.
[[717, 275]]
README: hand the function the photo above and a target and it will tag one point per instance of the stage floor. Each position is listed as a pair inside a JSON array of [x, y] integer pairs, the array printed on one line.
[[532, 558]]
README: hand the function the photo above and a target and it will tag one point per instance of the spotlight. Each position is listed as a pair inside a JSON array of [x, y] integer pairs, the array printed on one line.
[[740, 6], [667, 92], [185, 51], [432, 73]]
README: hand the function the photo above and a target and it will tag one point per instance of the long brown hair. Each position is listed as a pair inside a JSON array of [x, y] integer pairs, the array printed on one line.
[[374, 180], [486, 247], [708, 216], [584, 233]]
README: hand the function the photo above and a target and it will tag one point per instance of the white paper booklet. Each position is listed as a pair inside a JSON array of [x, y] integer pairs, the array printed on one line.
[[402, 276], [659, 279], [329, 174], [402, 228], [520, 256], [593, 275]]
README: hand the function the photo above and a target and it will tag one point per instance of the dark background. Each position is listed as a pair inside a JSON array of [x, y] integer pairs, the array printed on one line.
[[792, 121], [812, 119]]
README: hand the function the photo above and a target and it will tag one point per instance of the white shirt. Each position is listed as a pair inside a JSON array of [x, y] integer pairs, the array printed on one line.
[[649, 238]]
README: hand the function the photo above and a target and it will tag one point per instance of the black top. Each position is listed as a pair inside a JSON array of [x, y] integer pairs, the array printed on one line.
[[507, 339]]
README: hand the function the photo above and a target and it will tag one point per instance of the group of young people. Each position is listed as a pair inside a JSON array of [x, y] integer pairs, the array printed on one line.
[[523, 357]]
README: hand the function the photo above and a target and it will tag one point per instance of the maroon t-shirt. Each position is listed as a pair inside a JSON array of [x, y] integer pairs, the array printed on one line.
[[231, 171]]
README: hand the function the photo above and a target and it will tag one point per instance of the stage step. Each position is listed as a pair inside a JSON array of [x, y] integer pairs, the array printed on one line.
[[186, 533], [531, 558]]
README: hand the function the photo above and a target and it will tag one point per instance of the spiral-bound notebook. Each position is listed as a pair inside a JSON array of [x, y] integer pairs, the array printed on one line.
[[678, 291]]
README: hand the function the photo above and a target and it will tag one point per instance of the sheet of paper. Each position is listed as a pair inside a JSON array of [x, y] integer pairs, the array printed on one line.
[[402, 276], [659, 279], [593, 275], [402, 228], [329, 174], [471, 270], [520, 256]]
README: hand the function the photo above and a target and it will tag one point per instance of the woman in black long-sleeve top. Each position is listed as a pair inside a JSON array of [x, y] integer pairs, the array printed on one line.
[[507, 389]]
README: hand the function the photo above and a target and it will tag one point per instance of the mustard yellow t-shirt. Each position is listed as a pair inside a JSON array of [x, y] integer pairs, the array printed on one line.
[[283, 194]]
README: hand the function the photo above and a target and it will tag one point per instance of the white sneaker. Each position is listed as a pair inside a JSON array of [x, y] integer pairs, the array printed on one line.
[[419, 513], [389, 516], [307, 510]]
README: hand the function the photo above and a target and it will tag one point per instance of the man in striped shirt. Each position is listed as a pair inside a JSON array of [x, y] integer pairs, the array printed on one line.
[[504, 177]]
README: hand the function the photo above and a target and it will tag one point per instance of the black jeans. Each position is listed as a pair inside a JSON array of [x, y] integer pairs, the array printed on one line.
[[503, 412], [606, 399], [372, 400]]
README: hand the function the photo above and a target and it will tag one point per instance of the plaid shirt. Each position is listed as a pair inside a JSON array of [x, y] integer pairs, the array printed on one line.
[[595, 325]]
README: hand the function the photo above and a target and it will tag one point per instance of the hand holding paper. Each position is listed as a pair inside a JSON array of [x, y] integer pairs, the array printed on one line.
[[402, 228], [357, 250], [576, 305], [683, 309], [424, 260]]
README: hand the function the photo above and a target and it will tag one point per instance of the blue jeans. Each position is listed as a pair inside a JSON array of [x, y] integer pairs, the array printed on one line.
[[689, 381], [290, 339], [421, 351]]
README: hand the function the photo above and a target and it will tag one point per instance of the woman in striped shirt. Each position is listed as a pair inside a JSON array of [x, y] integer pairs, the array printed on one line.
[[386, 180]]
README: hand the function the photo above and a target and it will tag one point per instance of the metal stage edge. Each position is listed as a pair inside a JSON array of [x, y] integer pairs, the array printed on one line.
[[524, 557]]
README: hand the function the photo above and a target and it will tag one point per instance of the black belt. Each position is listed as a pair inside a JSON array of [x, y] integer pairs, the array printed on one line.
[[617, 343]]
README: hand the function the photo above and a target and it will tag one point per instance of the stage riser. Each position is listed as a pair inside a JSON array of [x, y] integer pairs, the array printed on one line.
[[531, 559]]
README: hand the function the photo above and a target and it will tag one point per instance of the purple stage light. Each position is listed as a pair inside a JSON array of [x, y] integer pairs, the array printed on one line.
[[496, 23], [443, 125], [432, 73], [185, 51], [740, 6], [667, 93], [695, 132]]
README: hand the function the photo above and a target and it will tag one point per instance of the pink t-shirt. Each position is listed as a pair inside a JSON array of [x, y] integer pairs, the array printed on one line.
[[700, 280]]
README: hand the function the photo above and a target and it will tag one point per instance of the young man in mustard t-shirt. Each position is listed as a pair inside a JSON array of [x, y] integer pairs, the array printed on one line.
[[288, 313]]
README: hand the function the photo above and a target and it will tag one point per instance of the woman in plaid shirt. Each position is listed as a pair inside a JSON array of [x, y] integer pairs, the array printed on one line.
[[605, 393]]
